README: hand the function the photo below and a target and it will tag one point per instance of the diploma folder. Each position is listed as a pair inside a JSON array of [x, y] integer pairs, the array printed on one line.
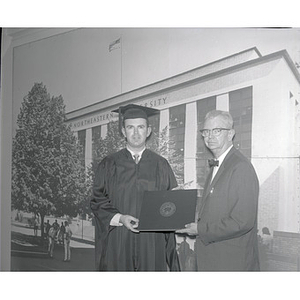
[[167, 210]]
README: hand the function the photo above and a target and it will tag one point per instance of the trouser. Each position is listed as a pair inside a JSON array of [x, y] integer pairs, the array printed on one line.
[[67, 250], [51, 246]]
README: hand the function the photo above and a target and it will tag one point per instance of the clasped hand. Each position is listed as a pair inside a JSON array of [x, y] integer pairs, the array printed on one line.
[[129, 222], [190, 229]]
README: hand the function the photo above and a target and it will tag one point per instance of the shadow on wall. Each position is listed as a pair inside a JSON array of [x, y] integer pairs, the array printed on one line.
[[268, 214], [278, 251]]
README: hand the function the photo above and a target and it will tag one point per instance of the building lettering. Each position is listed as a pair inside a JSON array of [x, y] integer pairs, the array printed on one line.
[[109, 116], [156, 102], [92, 120]]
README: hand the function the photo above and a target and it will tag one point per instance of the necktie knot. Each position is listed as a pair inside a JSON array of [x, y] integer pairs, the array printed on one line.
[[213, 163], [136, 158]]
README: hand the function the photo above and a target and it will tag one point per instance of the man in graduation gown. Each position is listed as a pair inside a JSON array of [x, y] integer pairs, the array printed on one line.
[[227, 222], [120, 180]]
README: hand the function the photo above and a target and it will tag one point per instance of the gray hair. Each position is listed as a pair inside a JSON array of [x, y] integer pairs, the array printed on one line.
[[224, 115]]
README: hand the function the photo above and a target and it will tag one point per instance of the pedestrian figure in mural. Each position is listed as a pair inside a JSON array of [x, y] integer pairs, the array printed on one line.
[[35, 226], [267, 239], [226, 231], [186, 256], [52, 237], [61, 233], [56, 225], [120, 180], [47, 228], [67, 239], [265, 248]]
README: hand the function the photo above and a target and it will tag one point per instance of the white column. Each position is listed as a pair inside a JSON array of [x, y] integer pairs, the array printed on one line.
[[103, 130], [164, 119], [222, 102], [190, 145], [88, 147]]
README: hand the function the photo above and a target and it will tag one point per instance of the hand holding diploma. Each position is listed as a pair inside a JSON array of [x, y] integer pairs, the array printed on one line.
[[190, 229], [129, 222]]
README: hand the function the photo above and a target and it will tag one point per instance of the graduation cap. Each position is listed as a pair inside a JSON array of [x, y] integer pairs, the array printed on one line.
[[133, 111]]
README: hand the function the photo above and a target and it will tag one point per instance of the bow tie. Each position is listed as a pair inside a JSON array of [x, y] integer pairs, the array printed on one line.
[[213, 163]]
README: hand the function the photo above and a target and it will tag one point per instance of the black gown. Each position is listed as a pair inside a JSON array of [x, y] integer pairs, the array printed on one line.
[[118, 188]]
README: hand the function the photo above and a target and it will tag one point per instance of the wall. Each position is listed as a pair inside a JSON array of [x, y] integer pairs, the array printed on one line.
[[274, 154], [8, 43], [275, 137]]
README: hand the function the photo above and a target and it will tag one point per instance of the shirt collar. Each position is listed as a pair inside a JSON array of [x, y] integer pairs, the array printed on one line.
[[222, 157], [134, 153]]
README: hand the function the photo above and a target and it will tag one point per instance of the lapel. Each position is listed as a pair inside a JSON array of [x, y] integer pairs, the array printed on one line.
[[210, 184], [207, 183]]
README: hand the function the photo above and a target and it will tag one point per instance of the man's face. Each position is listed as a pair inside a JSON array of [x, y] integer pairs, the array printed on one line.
[[220, 143], [136, 131]]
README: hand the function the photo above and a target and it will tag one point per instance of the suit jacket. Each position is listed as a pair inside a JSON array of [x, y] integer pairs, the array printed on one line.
[[227, 220]]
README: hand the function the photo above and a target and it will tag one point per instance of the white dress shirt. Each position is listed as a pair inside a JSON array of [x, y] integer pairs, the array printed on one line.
[[221, 159]]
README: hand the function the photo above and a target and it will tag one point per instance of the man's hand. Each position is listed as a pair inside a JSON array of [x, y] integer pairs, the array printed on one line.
[[190, 229], [129, 222]]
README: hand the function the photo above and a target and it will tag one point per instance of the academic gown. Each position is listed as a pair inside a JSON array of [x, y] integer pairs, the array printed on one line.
[[118, 188]]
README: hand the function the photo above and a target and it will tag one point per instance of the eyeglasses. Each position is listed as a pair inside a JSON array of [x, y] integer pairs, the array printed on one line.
[[214, 131]]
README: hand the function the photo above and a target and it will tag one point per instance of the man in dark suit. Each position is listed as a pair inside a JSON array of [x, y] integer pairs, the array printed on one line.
[[226, 229]]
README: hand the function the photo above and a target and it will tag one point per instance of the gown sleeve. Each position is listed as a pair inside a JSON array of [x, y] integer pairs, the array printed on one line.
[[102, 209], [100, 203]]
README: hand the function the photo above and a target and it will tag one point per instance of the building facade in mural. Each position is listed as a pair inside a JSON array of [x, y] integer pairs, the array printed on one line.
[[262, 94]]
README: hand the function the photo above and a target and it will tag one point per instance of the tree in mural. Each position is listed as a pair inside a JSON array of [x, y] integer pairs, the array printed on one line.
[[47, 175], [162, 144], [112, 142]]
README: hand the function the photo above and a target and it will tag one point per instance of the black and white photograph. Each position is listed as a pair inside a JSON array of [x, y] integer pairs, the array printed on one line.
[[150, 149]]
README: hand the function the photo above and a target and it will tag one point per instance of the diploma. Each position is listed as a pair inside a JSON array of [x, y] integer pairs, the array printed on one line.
[[167, 210]]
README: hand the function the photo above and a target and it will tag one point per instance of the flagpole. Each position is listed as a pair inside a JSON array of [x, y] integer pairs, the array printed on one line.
[[121, 62], [117, 44]]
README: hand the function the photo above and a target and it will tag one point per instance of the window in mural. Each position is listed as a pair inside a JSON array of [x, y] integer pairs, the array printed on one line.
[[203, 154], [82, 139], [154, 124], [176, 134], [96, 136], [240, 107]]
